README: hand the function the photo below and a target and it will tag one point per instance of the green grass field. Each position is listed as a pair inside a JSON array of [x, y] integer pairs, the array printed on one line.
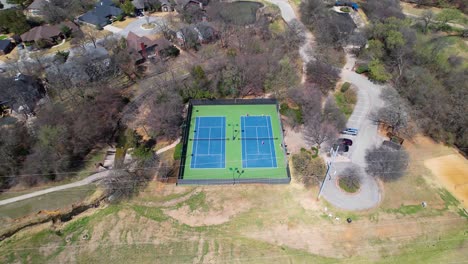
[[233, 148]]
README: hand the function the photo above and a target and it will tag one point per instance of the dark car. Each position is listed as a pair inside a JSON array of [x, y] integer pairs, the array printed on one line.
[[345, 141], [342, 147]]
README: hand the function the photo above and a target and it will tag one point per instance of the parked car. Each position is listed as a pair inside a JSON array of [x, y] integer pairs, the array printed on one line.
[[345, 141], [2, 70], [342, 147], [350, 131]]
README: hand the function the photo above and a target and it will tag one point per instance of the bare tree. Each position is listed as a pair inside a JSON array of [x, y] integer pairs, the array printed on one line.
[[319, 133], [428, 18], [394, 113], [295, 34], [322, 74], [351, 177], [386, 163], [308, 170]]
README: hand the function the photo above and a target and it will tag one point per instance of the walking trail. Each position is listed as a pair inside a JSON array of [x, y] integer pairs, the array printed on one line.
[[93, 178]]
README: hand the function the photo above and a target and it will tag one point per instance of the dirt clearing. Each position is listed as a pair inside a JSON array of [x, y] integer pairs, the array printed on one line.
[[452, 170]]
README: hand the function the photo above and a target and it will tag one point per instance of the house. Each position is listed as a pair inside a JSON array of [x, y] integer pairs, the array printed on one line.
[[201, 33], [142, 48], [167, 6], [21, 93], [102, 14], [5, 46], [139, 5], [183, 4], [50, 33], [35, 9]]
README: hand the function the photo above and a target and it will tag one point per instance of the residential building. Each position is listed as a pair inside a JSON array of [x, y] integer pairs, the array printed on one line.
[[35, 9], [5, 46], [142, 48], [49, 33], [102, 14]]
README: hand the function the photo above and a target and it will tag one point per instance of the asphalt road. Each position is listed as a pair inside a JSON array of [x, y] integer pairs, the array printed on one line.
[[368, 100]]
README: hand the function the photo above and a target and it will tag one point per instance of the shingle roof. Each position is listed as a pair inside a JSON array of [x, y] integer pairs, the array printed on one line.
[[46, 31], [134, 42], [37, 4], [98, 16], [139, 4], [4, 44], [41, 32]]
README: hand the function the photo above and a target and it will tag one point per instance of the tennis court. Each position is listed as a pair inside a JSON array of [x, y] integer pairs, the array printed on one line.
[[209, 143], [233, 141], [258, 144]]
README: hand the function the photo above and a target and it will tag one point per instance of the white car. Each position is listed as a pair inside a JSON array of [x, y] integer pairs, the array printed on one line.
[[350, 131]]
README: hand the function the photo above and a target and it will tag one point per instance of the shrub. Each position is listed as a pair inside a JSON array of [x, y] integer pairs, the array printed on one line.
[[178, 151], [345, 9], [42, 44], [61, 56], [120, 17], [345, 87], [362, 69], [378, 72], [350, 96], [294, 115]]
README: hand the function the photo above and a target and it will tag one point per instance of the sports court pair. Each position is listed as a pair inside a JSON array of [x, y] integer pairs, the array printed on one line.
[[255, 136]]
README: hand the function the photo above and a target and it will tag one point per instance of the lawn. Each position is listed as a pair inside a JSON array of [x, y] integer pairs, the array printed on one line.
[[346, 100], [50, 201], [125, 23], [88, 169], [417, 11], [2, 37], [241, 223]]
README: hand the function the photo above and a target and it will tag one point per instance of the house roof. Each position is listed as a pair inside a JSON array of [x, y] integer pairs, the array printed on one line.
[[37, 4], [46, 31], [183, 3], [139, 4], [205, 30], [41, 32], [4, 44], [134, 42], [99, 15]]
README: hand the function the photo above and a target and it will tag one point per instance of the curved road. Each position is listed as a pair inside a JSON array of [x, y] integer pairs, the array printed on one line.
[[93, 178], [368, 100]]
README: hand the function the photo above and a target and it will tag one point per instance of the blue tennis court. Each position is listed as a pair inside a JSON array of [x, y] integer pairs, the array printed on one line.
[[258, 147], [209, 145]]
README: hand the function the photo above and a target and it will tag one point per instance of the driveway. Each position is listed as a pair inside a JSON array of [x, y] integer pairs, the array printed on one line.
[[368, 100], [136, 28]]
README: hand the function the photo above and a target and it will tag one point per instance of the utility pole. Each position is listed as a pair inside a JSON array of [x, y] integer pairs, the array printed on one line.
[[330, 165]]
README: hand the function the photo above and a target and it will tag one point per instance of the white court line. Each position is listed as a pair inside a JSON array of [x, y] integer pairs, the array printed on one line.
[[209, 140], [256, 135], [269, 144], [244, 147], [196, 146]]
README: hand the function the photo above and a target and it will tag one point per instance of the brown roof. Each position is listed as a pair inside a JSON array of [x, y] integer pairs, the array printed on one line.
[[134, 42], [46, 32]]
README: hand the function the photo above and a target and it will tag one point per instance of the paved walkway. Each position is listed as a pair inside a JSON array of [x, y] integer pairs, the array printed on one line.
[[93, 178]]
